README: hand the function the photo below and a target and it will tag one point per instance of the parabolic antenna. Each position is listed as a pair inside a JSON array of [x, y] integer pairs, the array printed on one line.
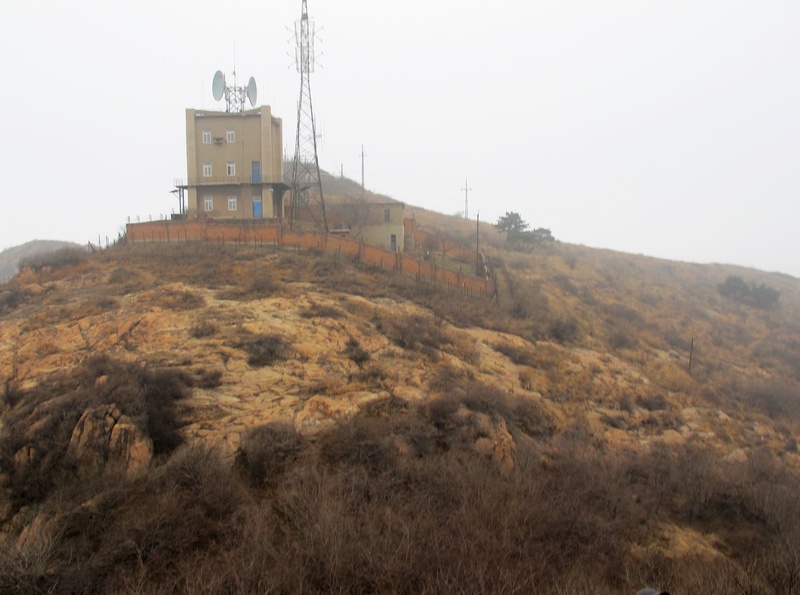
[[252, 91], [218, 86]]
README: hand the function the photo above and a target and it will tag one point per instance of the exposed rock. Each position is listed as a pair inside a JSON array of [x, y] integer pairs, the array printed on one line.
[[129, 449], [495, 441], [103, 438], [24, 458]]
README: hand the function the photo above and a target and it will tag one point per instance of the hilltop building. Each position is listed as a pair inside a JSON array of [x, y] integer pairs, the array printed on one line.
[[235, 171], [234, 163], [375, 223]]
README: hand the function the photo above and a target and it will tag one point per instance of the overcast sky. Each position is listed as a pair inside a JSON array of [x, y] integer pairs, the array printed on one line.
[[663, 127]]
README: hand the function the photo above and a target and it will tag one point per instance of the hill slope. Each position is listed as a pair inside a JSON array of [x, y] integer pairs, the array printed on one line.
[[370, 433], [11, 256]]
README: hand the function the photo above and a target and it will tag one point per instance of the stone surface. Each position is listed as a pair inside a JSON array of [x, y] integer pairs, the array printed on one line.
[[104, 439]]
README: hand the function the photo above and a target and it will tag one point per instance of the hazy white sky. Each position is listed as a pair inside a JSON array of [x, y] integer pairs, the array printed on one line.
[[663, 127]]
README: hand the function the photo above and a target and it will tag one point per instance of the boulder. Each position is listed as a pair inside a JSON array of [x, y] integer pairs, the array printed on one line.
[[106, 440]]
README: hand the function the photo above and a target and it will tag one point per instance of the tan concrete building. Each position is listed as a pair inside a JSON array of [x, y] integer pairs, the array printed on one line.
[[234, 164], [374, 223]]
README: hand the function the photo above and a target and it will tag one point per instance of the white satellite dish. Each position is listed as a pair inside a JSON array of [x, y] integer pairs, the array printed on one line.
[[218, 86], [252, 91]]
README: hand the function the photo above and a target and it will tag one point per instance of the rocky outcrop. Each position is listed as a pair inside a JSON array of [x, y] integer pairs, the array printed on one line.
[[105, 439]]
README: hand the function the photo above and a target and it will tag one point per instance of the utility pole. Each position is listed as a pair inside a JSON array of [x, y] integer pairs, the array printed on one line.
[[363, 189], [478, 247], [466, 190]]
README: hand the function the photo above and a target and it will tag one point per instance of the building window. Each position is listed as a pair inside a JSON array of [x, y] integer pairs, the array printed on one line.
[[207, 169], [231, 203], [208, 203], [206, 137], [231, 135], [386, 215], [231, 168]]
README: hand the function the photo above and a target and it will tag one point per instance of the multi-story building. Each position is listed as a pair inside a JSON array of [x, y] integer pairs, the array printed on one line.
[[234, 164]]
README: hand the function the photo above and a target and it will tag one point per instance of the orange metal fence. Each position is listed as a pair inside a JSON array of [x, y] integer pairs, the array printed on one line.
[[273, 235]]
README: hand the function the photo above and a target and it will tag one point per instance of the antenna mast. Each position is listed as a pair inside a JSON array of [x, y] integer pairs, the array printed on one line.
[[235, 95], [306, 182]]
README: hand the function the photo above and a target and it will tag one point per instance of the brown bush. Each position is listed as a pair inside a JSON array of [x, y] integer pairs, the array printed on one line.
[[416, 333], [563, 329], [179, 300], [518, 355], [204, 328], [264, 349], [57, 259], [382, 503], [355, 352], [779, 399], [12, 297], [267, 451], [315, 310]]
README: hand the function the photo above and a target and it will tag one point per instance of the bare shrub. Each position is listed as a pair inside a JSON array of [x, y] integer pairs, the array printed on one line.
[[416, 333], [316, 310], [264, 349], [265, 452], [396, 500], [373, 375], [57, 259], [258, 286], [623, 338], [204, 328], [179, 300], [676, 340], [447, 378], [657, 402], [779, 399], [564, 329], [12, 297], [519, 355], [139, 536], [361, 441], [355, 352]]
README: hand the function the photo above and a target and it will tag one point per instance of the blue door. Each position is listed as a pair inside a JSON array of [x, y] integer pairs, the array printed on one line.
[[256, 173], [394, 243], [257, 207]]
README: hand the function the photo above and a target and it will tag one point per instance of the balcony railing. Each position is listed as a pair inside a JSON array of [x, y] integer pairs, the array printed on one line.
[[225, 181]]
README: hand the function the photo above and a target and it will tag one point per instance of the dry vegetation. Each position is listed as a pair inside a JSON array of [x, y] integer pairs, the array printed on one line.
[[395, 500], [418, 495]]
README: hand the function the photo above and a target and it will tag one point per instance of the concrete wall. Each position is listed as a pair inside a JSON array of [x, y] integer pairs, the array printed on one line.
[[372, 223]]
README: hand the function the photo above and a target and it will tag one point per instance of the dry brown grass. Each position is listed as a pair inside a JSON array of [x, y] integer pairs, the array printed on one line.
[[397, 500]]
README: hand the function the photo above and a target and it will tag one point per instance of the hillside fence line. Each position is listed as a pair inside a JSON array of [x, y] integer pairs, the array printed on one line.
[[320, 242]]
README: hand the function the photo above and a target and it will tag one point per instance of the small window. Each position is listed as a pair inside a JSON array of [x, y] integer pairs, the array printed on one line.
[[231, 135], [231, 203], [207, 169], [208, 203], [231, 168], [206, 137], [386, 215]]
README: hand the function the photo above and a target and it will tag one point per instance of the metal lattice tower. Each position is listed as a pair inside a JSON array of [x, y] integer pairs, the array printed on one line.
[[308, 203]]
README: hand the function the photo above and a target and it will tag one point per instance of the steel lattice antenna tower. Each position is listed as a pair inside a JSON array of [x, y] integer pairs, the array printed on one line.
[[306, 183]]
